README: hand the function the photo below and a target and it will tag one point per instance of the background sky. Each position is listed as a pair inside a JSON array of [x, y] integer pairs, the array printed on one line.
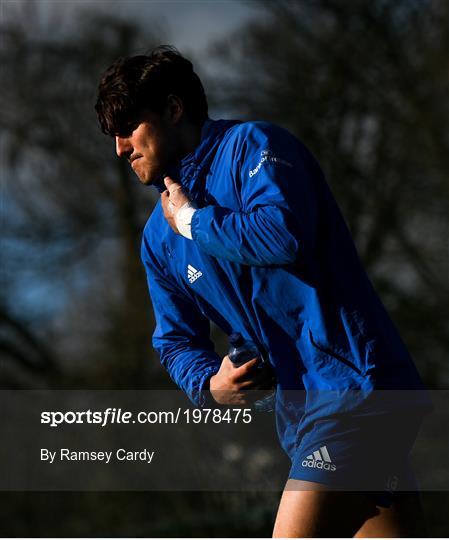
[[190, 25]]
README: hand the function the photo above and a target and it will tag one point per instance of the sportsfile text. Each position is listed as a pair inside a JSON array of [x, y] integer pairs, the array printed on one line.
[[113, 415], [109, 416]]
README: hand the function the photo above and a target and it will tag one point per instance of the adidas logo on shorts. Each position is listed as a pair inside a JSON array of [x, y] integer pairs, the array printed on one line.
[[320, 459]]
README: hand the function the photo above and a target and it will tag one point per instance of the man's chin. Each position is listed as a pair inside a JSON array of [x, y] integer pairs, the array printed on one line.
[[145, 181], [153, 180]]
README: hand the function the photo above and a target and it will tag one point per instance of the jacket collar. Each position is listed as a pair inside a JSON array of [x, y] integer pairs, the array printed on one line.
[[191, 167]]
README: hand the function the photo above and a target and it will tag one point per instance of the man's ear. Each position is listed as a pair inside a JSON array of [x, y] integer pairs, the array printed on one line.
[[175, 108]]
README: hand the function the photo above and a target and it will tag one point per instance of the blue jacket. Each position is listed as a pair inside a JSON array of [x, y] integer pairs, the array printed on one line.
[[271, 258]]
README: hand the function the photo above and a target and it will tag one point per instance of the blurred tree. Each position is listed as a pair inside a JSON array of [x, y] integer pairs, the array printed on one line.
[[365, 87], [72, 214]]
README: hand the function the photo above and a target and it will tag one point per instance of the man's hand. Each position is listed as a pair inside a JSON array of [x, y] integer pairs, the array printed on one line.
[[172, 199], [230, 385]]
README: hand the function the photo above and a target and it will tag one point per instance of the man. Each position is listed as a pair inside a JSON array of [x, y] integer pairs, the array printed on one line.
[[247, 234]]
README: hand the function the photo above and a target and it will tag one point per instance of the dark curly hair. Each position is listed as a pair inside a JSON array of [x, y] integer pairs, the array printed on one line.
[[137, 83]]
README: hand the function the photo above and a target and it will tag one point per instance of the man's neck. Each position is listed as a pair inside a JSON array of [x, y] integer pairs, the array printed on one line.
[[190, 138]]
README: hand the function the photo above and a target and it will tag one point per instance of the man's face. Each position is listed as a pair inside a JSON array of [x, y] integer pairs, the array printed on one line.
[[150, 148]]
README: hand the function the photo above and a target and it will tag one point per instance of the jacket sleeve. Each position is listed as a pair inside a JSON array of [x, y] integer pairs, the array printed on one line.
[[269, 172], [182, 333]]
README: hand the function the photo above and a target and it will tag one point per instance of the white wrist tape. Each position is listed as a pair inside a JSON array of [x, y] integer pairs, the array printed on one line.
[[183, 219]]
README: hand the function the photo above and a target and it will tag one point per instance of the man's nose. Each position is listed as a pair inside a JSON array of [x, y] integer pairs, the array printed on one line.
[[123, 146]]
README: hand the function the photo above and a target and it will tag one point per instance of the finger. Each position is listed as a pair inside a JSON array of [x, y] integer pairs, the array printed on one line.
[[248, 384], [247, 370], [168, 181], [255, 380], [241, 399], [171, 185], [167, 205], [230, 398], [178, 196], [165, 200]]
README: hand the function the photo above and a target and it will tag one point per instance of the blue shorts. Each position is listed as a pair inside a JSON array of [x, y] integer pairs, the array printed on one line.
[[359, 452]]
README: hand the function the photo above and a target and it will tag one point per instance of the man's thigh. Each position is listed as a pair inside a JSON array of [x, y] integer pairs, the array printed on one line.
[[404, 519], [310, 510]]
